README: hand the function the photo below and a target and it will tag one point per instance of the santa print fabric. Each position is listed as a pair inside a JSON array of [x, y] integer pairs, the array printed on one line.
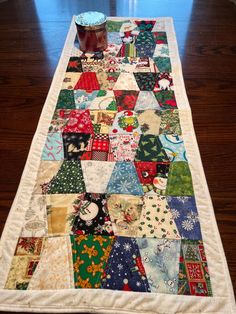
[[113, 205]]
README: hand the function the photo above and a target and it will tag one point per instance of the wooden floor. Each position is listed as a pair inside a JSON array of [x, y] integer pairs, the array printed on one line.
[[32, 34]]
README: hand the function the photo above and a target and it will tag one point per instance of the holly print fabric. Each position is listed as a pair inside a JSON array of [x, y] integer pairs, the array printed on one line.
[[113, 204], [156, 219]]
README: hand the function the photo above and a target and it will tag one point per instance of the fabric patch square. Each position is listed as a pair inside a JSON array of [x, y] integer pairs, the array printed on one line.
[[174, 147], [107, 80], [184, 211], [146, 101], [159, 26], [114, 38], [74, 65], [128, 48], [69, 179], [156, 219], [160, 259], [145, 44], [54, 270], [166, 99], [125, 211], [97, 155], [24, 262], [53, 148], [126, 81], [160, 37], [100, 143], [88, 81], [150, 149], [83, 99], [161, 50], [60, 211], [125, 100], [124, 146], [90, 255], [170, 123], [127, 64], [111, 64], [79, 122], [21, 271], [97, 175], [145, 81], [149, 121], [104, 100], [59, 120], [75, 145], [93, 63], [194, 278], [102, 120], [163, 64], [153, 176], [164, 82], [146, 25], [114, 26], [179, 180], [29, 246], [91, 215], [66, 99], [70, 80], [124, 180], [126, 122], [35, 222], [124, 270]]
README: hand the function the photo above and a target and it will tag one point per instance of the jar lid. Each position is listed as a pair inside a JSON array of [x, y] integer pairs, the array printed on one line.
[[90, 18]]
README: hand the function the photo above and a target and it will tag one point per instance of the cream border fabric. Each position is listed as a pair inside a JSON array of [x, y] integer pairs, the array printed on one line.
[[108, 301]]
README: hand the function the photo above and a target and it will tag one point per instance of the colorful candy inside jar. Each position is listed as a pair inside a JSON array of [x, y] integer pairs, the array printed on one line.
[[91, 31]]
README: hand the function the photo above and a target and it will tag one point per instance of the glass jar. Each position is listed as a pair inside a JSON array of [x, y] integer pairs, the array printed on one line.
[[91, 31]]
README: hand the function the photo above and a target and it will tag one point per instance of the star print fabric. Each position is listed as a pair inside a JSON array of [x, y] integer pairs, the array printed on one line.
[[113, 204], [124, 270]]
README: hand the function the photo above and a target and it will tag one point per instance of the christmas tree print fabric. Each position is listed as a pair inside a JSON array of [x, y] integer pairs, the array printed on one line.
[[113, 205]]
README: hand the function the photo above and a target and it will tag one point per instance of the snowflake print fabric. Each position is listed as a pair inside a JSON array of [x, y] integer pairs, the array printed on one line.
[[124, 180], [124, 269]]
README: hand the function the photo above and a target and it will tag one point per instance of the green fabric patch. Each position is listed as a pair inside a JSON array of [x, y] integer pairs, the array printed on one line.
[[114, 26], [179, 180], [66, 99], [150, 149], [69, 179], [170, 123], [90, 255], [166, 99], [163, 64]]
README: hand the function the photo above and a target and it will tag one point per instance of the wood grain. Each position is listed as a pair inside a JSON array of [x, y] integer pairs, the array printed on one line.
[[32, 35]]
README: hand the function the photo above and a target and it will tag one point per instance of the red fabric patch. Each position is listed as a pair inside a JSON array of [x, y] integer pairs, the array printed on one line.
[[88, 81], [79, 122], [146, 171]]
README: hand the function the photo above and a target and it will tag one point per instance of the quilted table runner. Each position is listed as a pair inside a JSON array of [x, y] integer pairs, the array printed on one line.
[[113, 213]]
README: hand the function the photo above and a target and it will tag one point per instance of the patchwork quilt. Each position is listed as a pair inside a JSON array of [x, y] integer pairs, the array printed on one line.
[[113, 214]]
